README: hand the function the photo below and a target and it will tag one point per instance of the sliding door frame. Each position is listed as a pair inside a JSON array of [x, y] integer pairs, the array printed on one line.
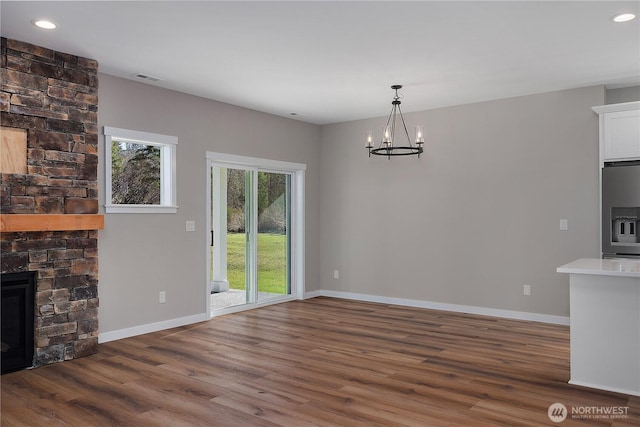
[[297, 265]]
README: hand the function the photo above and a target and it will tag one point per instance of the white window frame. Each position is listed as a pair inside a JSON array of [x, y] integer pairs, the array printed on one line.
[[167, 145]]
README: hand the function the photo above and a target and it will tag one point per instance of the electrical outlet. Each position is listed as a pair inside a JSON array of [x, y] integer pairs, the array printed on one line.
[[336, 274], [526, 290], [564, 224], [162, 297], [190, 225]]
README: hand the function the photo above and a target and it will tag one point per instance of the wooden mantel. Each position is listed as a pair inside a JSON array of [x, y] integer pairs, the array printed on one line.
[[50, 222]]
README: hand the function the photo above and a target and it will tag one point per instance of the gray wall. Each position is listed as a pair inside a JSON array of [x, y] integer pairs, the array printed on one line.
[[478, 216], [624, 94], [143, 254], [469, 223]]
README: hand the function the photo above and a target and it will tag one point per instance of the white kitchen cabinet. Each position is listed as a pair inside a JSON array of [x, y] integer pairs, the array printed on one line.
[[619, 131], [604, 297]]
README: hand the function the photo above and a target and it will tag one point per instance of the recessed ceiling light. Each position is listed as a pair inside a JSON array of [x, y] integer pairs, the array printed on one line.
[[44, 24], [623, 17]]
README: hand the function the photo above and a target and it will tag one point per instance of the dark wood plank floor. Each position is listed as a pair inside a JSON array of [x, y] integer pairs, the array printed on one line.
[[319, 362]]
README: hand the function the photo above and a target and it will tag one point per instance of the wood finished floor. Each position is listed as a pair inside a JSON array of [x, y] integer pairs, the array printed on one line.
[[319, 362]]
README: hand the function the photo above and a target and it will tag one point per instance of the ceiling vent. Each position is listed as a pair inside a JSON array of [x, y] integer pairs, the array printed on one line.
[[147, 77]]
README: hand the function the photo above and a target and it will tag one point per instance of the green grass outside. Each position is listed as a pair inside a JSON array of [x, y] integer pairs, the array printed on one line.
[[272, 262]]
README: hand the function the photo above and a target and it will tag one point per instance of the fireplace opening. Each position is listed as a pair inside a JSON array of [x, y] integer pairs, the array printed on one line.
[[17, 317]]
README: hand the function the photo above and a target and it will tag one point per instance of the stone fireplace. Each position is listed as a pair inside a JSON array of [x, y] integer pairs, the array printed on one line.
[[49, 192]]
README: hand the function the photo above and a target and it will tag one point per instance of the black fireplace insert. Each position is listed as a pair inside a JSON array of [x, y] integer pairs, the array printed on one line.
[[18, 293]]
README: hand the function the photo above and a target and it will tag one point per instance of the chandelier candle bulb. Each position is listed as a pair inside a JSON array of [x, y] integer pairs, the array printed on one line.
[[387, 135], [369, 139], [419, 135]]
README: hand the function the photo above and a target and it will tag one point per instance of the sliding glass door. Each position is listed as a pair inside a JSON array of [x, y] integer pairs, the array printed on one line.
[[231, 231], [250, 252], [274, 238]]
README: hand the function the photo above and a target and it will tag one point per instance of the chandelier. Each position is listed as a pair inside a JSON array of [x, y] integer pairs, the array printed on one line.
[[388, 145]]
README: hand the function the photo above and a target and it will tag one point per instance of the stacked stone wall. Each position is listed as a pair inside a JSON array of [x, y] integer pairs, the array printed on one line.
[[54, 97]]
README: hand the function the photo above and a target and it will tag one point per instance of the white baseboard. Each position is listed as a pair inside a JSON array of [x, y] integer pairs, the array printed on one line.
[[601, 387], [313, 294], [150, 327], [484, 311]]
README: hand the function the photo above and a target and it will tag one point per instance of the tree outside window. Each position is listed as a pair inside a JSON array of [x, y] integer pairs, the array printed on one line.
[[135, 174]]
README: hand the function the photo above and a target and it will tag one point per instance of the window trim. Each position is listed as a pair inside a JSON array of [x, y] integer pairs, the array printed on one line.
[[168, 186]]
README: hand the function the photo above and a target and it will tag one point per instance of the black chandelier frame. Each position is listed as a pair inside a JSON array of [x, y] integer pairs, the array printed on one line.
[[386, 148]]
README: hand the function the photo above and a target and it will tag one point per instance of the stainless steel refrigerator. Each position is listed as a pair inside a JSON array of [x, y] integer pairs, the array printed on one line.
[[621, 209]]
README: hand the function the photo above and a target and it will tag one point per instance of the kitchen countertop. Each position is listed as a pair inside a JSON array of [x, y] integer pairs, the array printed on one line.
[[619, 267]]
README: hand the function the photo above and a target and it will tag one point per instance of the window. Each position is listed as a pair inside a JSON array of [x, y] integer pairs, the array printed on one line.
[[140, 172]]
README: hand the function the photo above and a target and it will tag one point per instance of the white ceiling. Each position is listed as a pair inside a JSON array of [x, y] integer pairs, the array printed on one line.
[[334, 61]]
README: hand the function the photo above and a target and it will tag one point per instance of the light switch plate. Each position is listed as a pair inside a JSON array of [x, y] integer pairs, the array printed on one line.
[[564, 224], [190, 226]]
